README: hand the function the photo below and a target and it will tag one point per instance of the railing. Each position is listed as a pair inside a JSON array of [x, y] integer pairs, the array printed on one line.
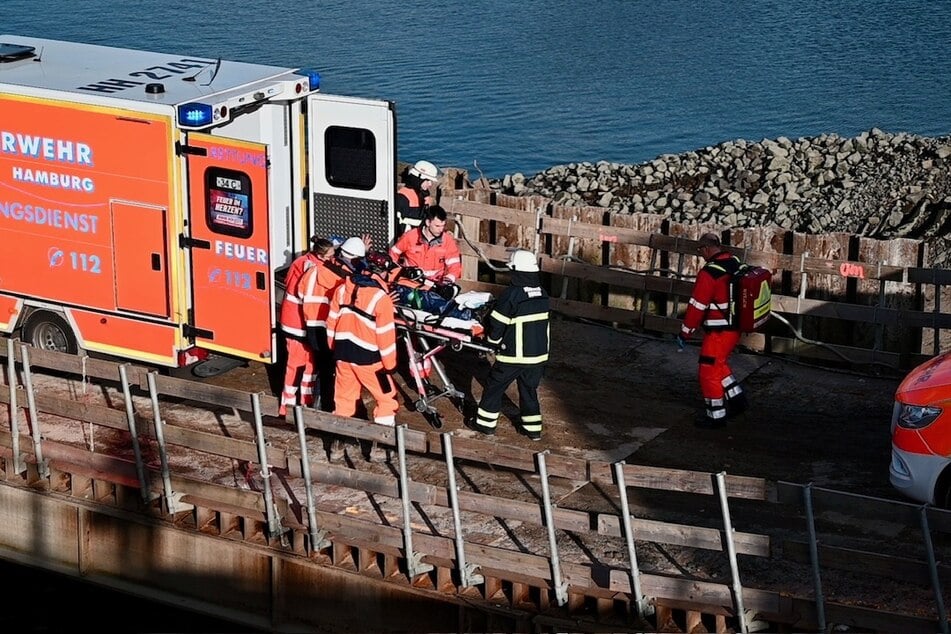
[[547, 563], [839, 297]]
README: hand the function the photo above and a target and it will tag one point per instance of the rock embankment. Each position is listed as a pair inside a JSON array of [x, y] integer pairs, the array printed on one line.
[[878, 184]]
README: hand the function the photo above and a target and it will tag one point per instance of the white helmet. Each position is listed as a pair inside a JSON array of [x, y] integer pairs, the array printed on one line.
[[353, 248], [425, 171], [523, 260]]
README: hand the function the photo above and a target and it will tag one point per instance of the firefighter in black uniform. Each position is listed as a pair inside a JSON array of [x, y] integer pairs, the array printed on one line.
[[518, 326]]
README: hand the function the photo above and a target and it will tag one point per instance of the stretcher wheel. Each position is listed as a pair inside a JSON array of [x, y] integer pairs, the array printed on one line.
[[434, 419], [422, 405]]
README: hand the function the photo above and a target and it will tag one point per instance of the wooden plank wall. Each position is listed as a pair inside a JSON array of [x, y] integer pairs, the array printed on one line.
[[844, 296]]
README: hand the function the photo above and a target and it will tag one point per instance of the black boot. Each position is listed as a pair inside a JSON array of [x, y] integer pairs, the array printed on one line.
[[707, 422], [737, 405]]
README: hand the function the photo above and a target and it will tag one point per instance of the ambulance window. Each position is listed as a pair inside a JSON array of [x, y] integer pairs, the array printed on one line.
[[351, 158], [228, 202]]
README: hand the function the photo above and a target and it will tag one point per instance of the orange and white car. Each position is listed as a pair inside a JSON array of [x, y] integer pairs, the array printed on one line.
[[921, 433]]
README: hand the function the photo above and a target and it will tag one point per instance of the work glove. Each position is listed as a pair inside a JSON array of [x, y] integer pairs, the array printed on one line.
[[412, 273], [446, 290], [681, 343]]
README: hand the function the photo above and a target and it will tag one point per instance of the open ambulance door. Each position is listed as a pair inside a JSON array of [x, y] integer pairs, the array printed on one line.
[[352, 167], [232, 297]]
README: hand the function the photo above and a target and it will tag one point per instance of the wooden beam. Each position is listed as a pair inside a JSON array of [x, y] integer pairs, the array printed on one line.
[[650, 477], [683, 535]]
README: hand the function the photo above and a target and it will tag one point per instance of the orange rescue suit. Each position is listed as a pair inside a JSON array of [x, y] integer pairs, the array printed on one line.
[[439, 259], [361, 331]]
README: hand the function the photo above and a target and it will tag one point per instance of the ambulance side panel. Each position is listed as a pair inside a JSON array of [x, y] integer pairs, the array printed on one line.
[[87, 212]]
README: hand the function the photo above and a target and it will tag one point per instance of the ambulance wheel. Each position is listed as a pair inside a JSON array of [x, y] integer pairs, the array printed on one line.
[[49, 331], [942, 490]]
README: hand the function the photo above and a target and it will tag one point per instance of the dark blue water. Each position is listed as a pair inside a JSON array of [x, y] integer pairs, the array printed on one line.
[[524, 86]]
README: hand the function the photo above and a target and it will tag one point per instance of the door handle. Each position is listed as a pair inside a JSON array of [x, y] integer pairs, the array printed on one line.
[[156, 262]]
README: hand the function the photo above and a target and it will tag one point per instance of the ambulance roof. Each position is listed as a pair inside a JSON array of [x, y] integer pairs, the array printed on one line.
[[88, 69]]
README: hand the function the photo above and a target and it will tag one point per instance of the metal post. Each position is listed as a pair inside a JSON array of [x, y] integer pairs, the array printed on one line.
[[731, 552], [414, 566], [680, 274], [936, 334], [318, 540], [130, 418], [42, 467], [19, 464], [803, 284], [567, 258], [814, 556], [639, 600], [561, 587], [652, 267], [466, 570], [933, 567], [273, 521], [159, 425]]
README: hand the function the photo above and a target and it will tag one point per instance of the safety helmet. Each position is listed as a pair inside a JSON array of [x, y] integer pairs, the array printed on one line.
[[425, 171], [522, 260], [353, 248]]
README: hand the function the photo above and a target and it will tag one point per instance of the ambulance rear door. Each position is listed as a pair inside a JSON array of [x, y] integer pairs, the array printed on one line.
[[228, 238], [352, 167]]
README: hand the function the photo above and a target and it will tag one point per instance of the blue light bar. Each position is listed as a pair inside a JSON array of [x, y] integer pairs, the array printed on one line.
[[194, 115], [312, 76]]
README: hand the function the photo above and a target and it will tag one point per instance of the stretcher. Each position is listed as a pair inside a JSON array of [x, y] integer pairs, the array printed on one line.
[[425, 335]]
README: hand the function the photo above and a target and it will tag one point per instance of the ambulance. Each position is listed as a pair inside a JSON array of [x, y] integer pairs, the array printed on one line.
[[921, 434], [150, 202]]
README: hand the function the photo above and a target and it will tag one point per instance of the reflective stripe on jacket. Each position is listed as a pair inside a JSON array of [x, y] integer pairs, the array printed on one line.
[[709, 303], [519, 325], [409, 207], [292, 313], [316, 288], [438, 259], [360, 325]]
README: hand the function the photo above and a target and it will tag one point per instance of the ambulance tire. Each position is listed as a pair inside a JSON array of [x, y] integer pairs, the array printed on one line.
[[47, 330], [942, 490]]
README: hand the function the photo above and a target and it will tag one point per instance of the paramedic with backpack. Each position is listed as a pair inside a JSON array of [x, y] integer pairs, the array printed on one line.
[[709, 307]]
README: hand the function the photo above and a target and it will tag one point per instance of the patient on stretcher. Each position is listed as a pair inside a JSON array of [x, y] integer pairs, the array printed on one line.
[[460, 311], [439, 305]]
